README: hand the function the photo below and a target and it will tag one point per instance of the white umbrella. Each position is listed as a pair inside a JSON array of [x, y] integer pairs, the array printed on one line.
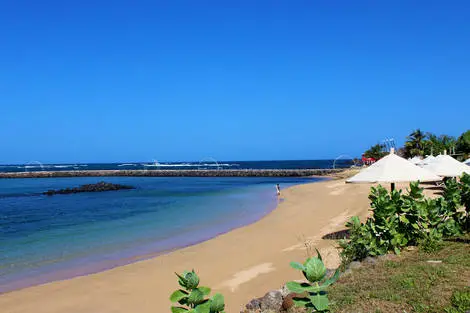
[[393, 169], [427, 160], [415, 159], [446, 166]]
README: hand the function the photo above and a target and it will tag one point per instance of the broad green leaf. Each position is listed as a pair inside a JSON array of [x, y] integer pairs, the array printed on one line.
[[204, 307], [403, 219], [196, 296], [320, 302], [217, 303], [178, 295], [315, 270], [204, 290], [299, 287], [297, 266], [300, 302], [177, 309], [192, 280]]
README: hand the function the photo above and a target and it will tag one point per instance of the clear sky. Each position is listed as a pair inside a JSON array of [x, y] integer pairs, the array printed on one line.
[[117, 81]]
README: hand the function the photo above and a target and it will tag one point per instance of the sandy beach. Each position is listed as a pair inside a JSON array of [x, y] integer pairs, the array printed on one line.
[[242, 264]]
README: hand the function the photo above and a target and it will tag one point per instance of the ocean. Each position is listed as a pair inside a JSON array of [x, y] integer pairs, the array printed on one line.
[[46, 238], [208, 163]]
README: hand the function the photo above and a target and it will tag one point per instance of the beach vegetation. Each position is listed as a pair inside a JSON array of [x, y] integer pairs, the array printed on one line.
[[415, 142], [408, 219], [463, 143], [435, 144], [192, 298], [419, 143], [376, 151], [312, 294]]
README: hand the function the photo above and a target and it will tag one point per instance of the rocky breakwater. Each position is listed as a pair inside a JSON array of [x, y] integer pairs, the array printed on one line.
[[98, 187], [177, 173]]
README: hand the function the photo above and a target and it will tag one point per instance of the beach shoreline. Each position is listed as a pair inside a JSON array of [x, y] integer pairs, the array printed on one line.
[[78, 268], [243, 263]]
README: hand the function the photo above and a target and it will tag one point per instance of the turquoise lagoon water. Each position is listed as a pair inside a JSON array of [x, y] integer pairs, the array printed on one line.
[[45, 238]]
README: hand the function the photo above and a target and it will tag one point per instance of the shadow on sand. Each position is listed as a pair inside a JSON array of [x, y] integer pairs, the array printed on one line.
[[341, 234]]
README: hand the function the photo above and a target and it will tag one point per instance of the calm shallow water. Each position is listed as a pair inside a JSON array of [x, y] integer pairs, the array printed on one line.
[[44, 238]]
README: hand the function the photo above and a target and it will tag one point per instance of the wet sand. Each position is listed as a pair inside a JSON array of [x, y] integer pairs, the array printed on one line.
[[242, 264]]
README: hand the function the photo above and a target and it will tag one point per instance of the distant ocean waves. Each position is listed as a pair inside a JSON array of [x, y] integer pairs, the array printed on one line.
[[206, 164], [39, 166]]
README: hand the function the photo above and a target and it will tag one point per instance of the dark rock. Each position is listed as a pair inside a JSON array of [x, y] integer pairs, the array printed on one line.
[[369, 260], [271, 301], [346, 272], [330, 272], [387, 257], [254, 304], [99, 187], [284, 291], [354, 265]]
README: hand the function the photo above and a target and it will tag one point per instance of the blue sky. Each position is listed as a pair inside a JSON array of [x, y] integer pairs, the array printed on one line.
[[115, 81]]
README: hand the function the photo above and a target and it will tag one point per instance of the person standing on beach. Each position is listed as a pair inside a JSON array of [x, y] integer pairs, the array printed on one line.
[[278, 190]]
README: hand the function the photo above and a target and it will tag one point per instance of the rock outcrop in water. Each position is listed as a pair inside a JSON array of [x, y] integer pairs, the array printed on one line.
[[98, 187]]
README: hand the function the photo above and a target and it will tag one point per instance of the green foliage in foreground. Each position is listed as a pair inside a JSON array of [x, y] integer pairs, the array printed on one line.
[[401, 220], [312, 295], [192, 297], [464, 186]]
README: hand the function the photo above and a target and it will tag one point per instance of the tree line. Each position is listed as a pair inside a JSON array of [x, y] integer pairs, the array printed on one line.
[[420, 143]]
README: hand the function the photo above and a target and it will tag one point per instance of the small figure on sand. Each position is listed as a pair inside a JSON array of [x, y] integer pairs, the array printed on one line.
[[278, 190]]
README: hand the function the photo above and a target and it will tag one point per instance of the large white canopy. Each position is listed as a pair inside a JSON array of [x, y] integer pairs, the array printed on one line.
[[393, 169], [446, 166]]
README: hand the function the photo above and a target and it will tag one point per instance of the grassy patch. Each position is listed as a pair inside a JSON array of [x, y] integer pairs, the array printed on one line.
[[409, 283]]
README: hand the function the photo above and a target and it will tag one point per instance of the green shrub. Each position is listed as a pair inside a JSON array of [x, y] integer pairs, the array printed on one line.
[[464, 186], [192, 296], [312, 295], [431, 242], [400, 220]]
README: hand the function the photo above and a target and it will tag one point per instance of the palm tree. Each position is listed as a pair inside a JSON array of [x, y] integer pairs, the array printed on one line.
[[415, 143], [376, 152], [463, 143], [438, 144]]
